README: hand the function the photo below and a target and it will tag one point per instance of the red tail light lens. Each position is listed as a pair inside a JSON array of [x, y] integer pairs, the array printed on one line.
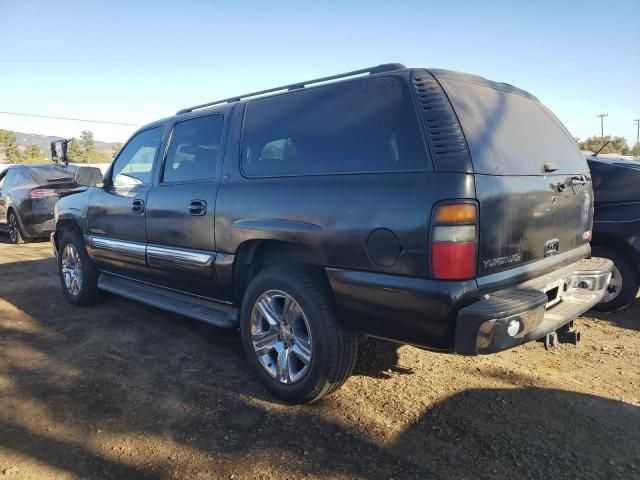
[[39, 193], [454, 241], [454, 261]]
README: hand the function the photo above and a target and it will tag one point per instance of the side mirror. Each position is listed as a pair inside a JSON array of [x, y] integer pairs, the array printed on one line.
[[61, 156], [88, 176]]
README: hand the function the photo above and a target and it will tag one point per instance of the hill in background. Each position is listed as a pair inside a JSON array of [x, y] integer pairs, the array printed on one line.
[[44, 142]]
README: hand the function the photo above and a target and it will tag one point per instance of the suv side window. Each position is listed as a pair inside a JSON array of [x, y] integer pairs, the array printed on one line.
[[11, 178], [366, 125], [134, 164], [194, 150]]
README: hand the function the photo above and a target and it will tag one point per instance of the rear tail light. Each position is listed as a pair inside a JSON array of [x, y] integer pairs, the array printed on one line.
[[39, 193], [454, 241]]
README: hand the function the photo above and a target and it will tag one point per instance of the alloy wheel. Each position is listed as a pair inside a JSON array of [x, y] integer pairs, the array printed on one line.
[[281, 336], [615, 286], [13, 228], [71, 269]]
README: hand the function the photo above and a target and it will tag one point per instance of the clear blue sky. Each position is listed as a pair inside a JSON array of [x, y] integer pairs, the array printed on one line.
[[137, 61]]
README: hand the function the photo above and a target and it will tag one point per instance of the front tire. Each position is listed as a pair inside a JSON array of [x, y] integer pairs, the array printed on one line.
[[623, 286], [292, 336], [78, 275]]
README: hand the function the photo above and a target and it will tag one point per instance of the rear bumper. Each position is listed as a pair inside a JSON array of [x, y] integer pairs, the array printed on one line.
[[511, 317], [39, 230]]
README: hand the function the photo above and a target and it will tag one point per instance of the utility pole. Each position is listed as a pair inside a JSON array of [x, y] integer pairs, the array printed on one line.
[[637, 122], [602, 123]]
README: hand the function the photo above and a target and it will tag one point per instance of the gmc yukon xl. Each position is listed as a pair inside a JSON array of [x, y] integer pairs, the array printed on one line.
[[423, 206]]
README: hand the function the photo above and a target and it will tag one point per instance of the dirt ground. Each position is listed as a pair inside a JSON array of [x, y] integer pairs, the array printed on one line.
[[121, 390]]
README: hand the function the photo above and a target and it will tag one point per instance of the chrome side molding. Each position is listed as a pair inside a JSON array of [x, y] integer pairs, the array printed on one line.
[[133, 249], [155, 255]]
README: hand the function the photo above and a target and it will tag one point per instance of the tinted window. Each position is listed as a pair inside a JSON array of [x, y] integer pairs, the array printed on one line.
[[509, 134], [134, 164], [194, 150], [367, 125], [11, 178], [53, 173]]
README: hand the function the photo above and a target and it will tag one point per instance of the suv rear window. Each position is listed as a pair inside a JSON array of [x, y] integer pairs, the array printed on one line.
[[368, 125], [53, 173], [510, 134]]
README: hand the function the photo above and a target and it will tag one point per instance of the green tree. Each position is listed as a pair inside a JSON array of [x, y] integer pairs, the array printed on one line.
[[32, 153], [635, 151], [87, 146], [74, 151], [618, 144], [115, 149], [9, 147]]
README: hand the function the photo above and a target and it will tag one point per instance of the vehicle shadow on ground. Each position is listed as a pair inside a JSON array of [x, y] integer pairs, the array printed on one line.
[[4, 239], [626, 318], [83, 382]]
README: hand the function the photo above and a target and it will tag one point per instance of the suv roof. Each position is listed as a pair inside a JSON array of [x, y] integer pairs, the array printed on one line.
[[384, 68]]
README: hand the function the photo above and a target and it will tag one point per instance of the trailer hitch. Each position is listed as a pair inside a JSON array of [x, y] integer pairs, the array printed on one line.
[[565, 334]]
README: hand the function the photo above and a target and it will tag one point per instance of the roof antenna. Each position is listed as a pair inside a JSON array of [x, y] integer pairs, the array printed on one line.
[[602, 148]]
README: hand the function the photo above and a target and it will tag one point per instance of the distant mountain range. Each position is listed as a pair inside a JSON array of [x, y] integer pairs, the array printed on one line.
[[44, 142]]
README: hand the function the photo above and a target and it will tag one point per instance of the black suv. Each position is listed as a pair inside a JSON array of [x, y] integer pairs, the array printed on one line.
[[428, 207]]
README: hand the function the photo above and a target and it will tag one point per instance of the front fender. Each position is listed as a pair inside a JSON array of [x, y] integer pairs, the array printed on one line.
[[72, 210]]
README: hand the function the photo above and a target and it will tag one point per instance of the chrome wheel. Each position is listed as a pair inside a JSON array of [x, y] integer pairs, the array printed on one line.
[[13, 227], [615, 286], [281, 336], [71, 269]]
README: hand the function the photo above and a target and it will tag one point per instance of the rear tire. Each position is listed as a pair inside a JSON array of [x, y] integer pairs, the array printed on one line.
[[78, 275], [624, 284], [292, 336], [15, 232]]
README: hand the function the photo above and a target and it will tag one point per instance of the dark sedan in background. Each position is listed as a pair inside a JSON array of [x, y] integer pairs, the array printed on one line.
[[616, 230], [28, 194]]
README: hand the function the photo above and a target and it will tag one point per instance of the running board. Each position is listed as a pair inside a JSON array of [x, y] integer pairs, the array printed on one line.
[[215, 313]]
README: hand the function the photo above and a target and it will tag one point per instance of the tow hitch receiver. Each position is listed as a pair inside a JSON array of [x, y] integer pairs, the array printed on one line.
[[565, 334]]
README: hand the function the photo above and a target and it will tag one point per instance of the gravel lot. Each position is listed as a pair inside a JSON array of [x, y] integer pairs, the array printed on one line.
[[121, 390]]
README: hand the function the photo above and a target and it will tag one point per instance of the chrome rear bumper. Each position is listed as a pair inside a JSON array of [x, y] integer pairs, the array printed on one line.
[[511, 317]]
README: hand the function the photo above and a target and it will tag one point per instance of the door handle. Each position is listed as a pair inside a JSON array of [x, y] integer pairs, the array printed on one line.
[[137, 206], [197, 208]]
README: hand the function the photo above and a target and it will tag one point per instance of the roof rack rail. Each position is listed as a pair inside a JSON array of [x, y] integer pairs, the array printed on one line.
[[387, 67]]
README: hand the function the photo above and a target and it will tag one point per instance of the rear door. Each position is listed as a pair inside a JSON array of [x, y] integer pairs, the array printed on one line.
[[116, 212], [532, 183], [8, 180], [180, 217]]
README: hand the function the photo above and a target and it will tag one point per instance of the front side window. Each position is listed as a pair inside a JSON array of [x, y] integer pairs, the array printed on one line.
[[367, 125], [134, 164], [194, 151]]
